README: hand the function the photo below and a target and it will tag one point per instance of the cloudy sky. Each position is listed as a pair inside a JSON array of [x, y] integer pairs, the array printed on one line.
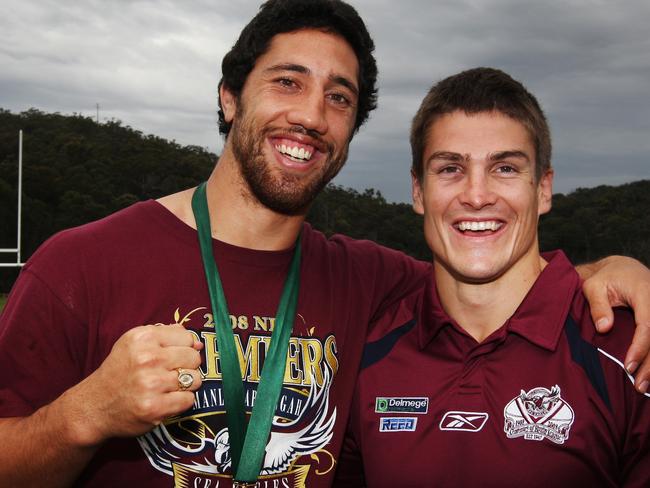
[[155, 65]]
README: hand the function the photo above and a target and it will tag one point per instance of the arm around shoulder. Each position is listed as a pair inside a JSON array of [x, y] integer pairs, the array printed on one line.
[[622, 281]]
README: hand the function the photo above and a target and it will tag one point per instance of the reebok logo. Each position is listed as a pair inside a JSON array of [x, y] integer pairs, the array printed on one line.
[[464, 421]]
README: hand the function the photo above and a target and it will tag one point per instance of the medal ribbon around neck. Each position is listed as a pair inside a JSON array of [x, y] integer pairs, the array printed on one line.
[[247, 445]]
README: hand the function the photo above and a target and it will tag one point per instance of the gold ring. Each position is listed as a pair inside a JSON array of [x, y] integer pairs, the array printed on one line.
[[185, 379]]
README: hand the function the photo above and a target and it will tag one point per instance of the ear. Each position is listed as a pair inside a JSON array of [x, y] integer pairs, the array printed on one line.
[[545, 192], [228, 103], [418, 200]]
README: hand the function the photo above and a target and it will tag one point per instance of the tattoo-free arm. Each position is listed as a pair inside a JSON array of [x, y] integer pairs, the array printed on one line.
[[134, 389], [622, 281], [47, 445]]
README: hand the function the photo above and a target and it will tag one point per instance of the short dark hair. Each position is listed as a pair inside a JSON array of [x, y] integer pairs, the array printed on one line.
[[281, 16], [482, 90]]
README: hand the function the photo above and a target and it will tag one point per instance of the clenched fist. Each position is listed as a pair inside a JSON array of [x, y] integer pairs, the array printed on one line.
[[137, 386]]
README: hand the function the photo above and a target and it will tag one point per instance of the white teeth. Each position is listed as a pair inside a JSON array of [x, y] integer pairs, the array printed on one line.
[[479, 226], [294, 152]]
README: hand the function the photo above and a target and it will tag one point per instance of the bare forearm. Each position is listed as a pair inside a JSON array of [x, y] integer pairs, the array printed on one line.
[[41, 450], [134, 389], [615, 281], [587, 270]]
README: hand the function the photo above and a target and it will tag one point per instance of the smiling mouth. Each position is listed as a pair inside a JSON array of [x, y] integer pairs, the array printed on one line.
[[473, 226], [295, 153]]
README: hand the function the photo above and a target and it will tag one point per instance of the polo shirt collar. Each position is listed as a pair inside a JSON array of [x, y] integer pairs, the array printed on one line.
[[539, 318], [432, 318]]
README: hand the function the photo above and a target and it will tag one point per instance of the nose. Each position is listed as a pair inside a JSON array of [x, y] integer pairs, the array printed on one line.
[[477, 192], [309, 111]]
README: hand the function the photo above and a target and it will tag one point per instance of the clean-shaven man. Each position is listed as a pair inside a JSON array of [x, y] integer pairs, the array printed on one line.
[[493, 373]]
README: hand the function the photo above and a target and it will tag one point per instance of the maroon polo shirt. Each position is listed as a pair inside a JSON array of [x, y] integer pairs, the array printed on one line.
[[543, 401]]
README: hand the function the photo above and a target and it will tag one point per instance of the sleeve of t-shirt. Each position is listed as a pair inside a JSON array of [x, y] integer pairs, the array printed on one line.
[[42, 346], [636, 446], [631, 409], [400, 275], [390, 275], [636, 450], [350, 471]]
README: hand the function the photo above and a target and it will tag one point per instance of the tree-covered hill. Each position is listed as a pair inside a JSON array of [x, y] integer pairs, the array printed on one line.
[[76, 170], [587, 224], [590, 223], [367, 215]]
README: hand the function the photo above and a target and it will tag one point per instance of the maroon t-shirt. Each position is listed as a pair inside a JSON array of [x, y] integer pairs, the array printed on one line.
[[542, 402], [86, 286]]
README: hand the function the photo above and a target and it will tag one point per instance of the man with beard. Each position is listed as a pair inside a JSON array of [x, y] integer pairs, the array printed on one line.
[[89, 397]]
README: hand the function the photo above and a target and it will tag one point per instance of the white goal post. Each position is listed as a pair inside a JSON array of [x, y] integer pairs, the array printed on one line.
[[16, 250]]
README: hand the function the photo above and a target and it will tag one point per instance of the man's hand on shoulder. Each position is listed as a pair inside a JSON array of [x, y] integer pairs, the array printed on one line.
[[622, 281]]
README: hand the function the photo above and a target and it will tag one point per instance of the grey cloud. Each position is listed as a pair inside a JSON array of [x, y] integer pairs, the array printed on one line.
[[587, 62], [155, 65]]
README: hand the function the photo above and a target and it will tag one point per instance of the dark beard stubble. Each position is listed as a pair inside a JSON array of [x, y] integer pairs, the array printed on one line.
[[286, 194]]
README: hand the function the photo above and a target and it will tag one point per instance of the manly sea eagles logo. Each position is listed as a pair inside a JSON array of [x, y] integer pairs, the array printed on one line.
[[208, 456], [537, 414]]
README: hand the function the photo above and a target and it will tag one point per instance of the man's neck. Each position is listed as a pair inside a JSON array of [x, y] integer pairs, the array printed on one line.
[[482, 308], [236, 217]]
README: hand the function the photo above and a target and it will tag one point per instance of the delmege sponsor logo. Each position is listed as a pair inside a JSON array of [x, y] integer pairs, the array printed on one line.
[[397, 424], [417, 405]]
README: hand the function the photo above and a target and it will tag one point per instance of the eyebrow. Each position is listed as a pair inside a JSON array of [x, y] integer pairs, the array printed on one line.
[[298, 68], [288, 67], [508, 155], [457, 157], [343, 81], [447, 156]]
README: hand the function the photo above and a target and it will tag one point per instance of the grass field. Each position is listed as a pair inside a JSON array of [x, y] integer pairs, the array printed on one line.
[[3, 299]]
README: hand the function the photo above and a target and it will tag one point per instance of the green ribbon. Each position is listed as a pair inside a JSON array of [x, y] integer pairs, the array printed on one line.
[[247, 445]]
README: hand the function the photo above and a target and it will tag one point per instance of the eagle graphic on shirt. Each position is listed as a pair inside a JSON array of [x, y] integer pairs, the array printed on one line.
[[195, 444], [306, 434], [539, 414]]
